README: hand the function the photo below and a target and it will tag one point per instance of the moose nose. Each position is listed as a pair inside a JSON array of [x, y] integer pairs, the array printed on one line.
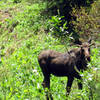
[[88, 58]]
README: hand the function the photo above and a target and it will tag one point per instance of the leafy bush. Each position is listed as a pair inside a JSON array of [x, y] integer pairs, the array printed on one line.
[[55, 26], [17, 1], [87, 24], [65, 8]]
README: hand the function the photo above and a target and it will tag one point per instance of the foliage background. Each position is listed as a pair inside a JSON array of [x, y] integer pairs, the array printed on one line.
[[29, 26]]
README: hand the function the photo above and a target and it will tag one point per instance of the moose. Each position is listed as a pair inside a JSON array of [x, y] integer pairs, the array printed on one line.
[[64, 64]]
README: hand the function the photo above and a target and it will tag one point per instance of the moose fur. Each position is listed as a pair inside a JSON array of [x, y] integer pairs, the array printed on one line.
[[64, 64]]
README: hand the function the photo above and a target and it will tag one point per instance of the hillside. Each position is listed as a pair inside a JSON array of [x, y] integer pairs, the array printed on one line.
[[25, 30]]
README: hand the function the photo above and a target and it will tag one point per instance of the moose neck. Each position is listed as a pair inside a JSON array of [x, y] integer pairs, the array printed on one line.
[[81, 63]]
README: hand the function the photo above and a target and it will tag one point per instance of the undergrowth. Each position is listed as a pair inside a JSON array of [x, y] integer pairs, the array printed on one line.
[[23, 36]]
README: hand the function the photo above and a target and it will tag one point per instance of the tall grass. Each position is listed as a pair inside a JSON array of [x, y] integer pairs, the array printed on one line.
[[22, 37]]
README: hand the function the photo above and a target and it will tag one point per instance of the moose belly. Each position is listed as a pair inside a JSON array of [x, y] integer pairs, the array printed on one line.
[[59, 70], [61, 66]]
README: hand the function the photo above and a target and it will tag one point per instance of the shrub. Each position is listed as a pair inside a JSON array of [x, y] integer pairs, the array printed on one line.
[[56, 27], [87, 24], [17, 1]]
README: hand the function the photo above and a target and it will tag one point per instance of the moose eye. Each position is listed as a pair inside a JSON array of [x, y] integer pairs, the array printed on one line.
[[89, 49], [82, 50]]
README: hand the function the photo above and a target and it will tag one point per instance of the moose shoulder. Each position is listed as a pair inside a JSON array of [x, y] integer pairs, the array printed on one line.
[[64, 64]]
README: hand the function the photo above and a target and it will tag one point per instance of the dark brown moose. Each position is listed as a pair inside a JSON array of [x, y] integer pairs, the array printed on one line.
[[64, 64]]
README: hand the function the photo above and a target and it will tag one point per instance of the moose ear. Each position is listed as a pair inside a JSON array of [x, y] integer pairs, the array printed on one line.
[[92, 44], [78, 45], [89, 41]]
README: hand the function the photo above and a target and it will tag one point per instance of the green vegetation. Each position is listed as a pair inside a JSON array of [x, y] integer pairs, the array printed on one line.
[[25, 30]]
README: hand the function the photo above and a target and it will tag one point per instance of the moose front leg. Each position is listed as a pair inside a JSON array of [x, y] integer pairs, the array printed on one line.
[[80, 82], [69, 84]]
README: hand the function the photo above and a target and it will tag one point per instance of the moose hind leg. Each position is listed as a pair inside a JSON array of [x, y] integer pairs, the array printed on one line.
[[46, 82], [46, 86]]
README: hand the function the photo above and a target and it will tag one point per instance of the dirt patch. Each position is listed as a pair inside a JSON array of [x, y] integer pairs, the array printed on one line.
[[4, 15]]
